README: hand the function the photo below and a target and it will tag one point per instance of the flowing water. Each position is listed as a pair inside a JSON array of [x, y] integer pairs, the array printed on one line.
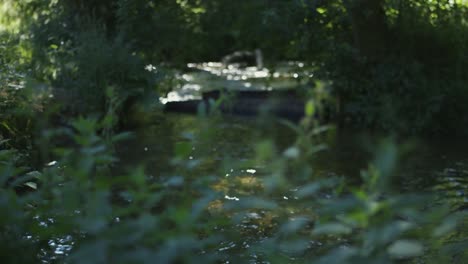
[[427, 163], [436, 165], [347, 153]]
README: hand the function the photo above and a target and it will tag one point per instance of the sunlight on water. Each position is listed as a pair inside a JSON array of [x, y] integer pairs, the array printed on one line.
[[187, 92], [209, 76], [233, 198], [231, 72], [61, 246]]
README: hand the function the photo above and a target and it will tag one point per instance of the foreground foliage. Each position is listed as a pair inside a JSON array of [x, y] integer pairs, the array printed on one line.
[[82, 203]]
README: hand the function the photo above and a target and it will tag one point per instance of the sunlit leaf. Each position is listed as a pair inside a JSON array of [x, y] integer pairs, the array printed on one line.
[[31, 185], [26, 178], [310, 108], [321, 10]]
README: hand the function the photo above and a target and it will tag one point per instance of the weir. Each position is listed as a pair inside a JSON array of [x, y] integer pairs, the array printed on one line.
[[285, 104]]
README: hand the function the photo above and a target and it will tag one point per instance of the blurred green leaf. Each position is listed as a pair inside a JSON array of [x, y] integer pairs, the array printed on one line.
[[310, 108], [446, 227], [31, 185], [250, 203], [405, 249], [294, 247], [183, 149], [331, 229], [291, 153], [294, 225]]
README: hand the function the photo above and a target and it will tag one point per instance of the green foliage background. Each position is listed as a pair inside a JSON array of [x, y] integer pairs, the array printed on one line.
[[418, 71]]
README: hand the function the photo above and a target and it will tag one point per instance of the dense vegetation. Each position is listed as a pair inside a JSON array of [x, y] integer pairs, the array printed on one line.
[[74, 74]]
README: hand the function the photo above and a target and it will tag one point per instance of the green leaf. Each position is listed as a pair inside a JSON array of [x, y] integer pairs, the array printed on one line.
[[294, 247], [314, 187], [310, 108], [446, 227], [291, 153], [122, 136], [265, 150], [291, 125], [31, 185], [405, 249], [321, 10], [26, 178], [183, 149], [294, 225], [175, 181], [309, 190], [250, 203], [332, 229]]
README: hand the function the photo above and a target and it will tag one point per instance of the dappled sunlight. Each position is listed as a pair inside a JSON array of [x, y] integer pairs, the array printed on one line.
[[239, 185], [9, 17]]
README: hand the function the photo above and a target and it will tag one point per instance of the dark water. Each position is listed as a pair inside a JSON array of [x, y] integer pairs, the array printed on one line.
[[225, 142], [423, 163]]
